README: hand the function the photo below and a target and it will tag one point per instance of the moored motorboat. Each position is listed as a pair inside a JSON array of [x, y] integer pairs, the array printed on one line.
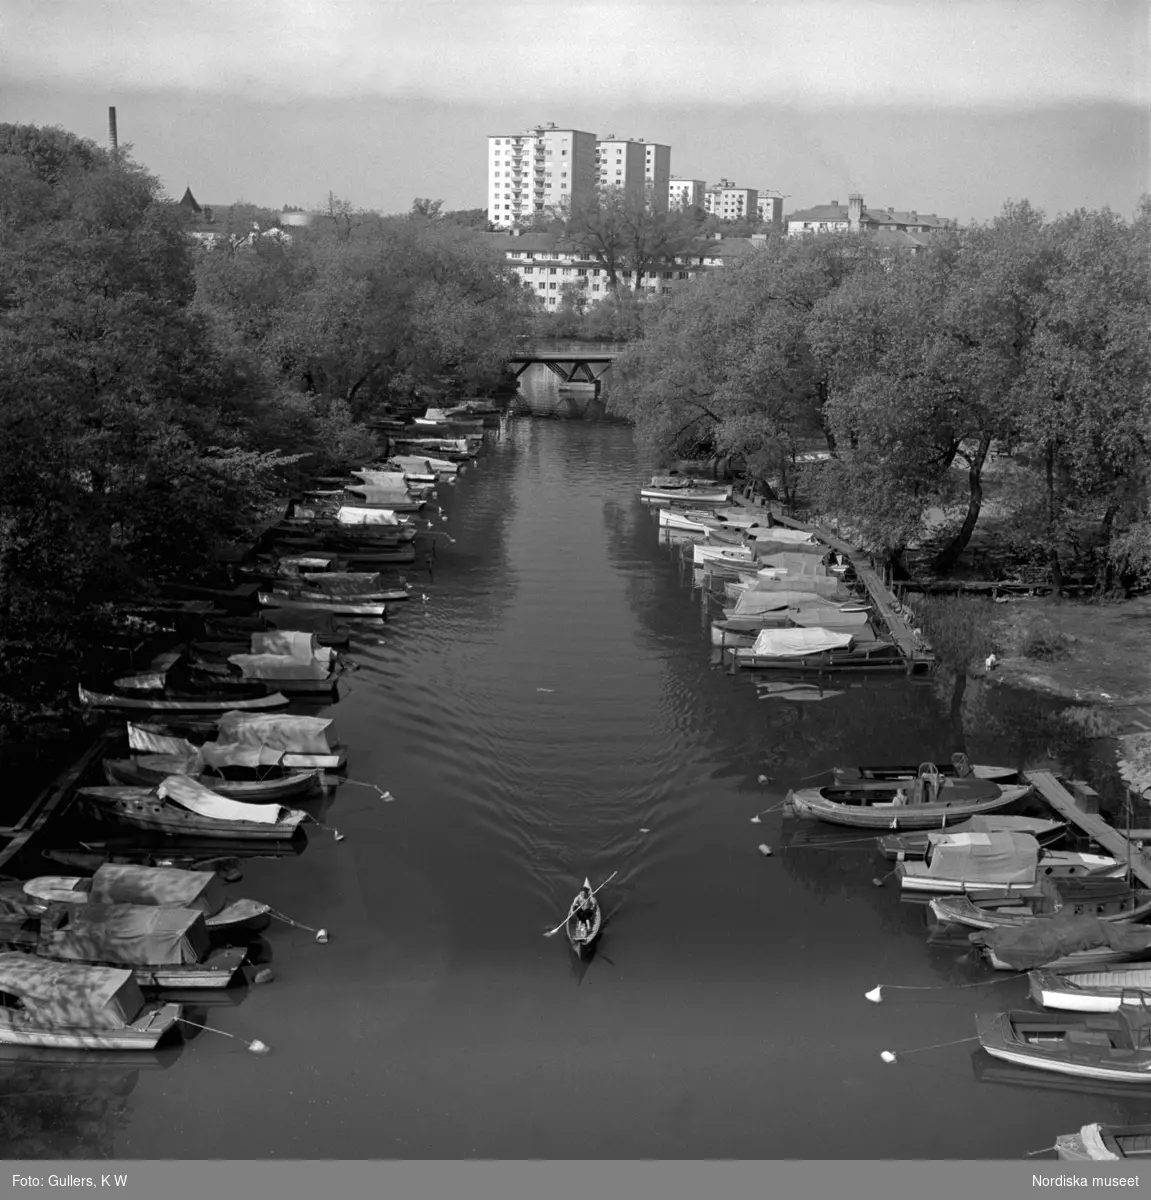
[[1062, 942], [581, 934], [252, 741], [332, 604], [930, 801], [994, 862], [1104, 1143], [147, 770], [75, 1006], [958, 768], [180, 805], [1114, 1047], [1091, 991], [899, 846], [1108, 899]]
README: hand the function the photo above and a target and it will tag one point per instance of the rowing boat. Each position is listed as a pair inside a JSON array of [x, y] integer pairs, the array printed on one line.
[[1104, 1143], [207, 704], [333, 604], [147, 770], [581, 936], [1091, 991]]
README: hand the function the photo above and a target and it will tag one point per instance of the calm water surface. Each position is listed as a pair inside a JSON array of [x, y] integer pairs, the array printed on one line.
[[551, 711]]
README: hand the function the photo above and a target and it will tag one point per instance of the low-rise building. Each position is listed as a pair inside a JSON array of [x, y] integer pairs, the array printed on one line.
[[685, 193], [857, 218], [548, 266]]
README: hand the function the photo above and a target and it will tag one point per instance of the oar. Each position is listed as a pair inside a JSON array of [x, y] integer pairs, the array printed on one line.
[[553, 932]]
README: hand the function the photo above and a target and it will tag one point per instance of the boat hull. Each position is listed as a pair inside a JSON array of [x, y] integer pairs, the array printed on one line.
[[1000, 1036], [338, 607], [1054, 865], [215, 704], [1090, 991], [126, 773], [581, 938], [960, 910], [151, 813], [142, 1034], [810, 804]]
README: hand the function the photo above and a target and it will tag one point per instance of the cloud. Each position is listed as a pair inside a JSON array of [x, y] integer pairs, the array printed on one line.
[[932, 53]]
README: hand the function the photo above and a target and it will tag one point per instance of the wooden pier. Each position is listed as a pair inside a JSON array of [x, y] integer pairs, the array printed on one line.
[[1080, 807], [885, 602]]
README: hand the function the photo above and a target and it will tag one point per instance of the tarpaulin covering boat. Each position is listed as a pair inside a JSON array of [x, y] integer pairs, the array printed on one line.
[[276, 667], [197, 798], [769, 548], [790, 643], [220, 755], [759, 600], [1041, 942], [126, 883], [289, 734], [828, 586], [352, 515], [807, 565], [123, 934], [783, 534], [295, 643], [387, 479], [149, 742], [72, 997], [996, 858]]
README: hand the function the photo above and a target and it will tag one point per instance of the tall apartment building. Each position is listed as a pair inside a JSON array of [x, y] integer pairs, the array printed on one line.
[[622, 163], [685, 193], [770, 209], [731, 203], [539, 169], [657, 173]]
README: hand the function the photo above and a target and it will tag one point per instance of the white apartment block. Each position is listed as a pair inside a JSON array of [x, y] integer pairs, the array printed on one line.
[[770, 209], [685, 193], [540, 169], [731, 203], [622, 163], [657, 173]]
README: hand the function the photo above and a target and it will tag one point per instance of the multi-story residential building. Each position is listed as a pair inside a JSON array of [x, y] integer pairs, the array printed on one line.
[[856, 218], [731, 203], [769, 209], [540, 169], [657, 173], [548, 269], [622, 163], [685, 193]]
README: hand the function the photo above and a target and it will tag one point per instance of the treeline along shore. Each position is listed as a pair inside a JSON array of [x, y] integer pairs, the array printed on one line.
[[160, 396]]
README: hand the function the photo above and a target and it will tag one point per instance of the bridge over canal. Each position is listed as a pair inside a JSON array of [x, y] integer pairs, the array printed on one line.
[[563, 377]]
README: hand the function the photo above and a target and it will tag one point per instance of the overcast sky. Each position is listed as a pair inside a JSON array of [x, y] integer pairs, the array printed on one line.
[[945, 106]]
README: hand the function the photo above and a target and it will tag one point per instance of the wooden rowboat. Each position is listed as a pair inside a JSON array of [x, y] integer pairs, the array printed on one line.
[[143, 808], [858, 776], [874, 809], [331, 604], [582, 937], [1108, 899], [1104, 1143], [207, 704], [150, 769]]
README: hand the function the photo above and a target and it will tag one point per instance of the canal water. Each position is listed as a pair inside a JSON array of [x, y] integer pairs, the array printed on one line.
[[545, 708]]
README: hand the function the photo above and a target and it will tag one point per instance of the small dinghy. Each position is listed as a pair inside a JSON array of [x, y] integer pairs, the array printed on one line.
[[1091, 991], [581, 934]]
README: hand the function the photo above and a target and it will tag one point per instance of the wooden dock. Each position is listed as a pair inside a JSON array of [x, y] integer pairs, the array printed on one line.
[[1079, 813], [885, 602]]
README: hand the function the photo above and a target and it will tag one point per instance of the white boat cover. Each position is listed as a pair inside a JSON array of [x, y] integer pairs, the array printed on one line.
[[296, 643], [278, 666], [127, 883], [380, 478], [198, 799], [790, 643], [829, 618], [158, 743], [127, 934], [71, 996], [795, 564], [1003, 858], [349, 515], [173, 764], [767, 546], [782, 533], [830, 586], [751, 602], [151, 681], [236, 754], [289, 734]]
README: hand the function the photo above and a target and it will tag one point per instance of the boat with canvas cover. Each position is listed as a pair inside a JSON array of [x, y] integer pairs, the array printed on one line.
[[1109, 899], [73, 1006], [206, 704], [163, 947], [169, 887], [899, 846], [686, 496], [1114, 1047], [365, 497], [249, 740], [1104, 1143], [1062, 942], [1091, 991], [701, 554], [929, 802], [983, 862], [180, 805], [147, 770], [581, 934], [814, 648]]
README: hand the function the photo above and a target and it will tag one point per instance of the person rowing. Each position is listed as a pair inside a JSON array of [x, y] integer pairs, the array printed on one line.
[[585, 906]]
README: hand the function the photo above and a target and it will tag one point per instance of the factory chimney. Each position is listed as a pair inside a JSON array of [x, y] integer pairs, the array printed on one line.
[[112, 140]]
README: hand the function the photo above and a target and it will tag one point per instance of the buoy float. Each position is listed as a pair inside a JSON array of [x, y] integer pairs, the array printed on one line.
[[765, 850], [264, 975], [763, 779], [322, 936], [887, 1056], [875, 995], [258, 1047]]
